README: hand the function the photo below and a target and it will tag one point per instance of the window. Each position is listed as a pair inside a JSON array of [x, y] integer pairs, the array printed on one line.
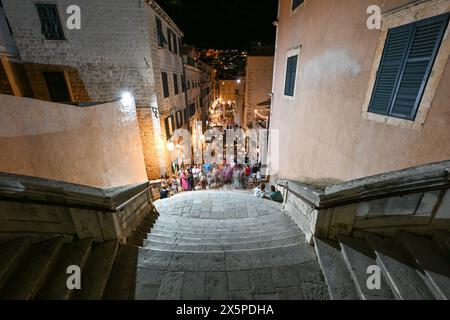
[[296, 3], [51, 26], [170, 126], [175, 43], [175, 84], [159, 32], [405, 67], [192, 110], [291, 74], [180, 46], [179, 119], [169, 40], [186, 115], [183, 83], [165, 83], [57, 86]]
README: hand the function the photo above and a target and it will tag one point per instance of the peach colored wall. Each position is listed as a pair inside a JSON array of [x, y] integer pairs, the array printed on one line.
[[322, 131], [97, 146]]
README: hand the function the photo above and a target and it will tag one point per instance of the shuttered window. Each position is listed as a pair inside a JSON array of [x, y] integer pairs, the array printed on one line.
[[51, 26], [170, 126], [179, 115], [291, 74], [407, 61], [159, 33], [175, 84], [169, 39], [296, 3], [165, 83]]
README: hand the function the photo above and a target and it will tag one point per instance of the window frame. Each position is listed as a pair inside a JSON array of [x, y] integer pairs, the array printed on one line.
[[404, 62], [63, 36], [289, 54], [403, 15], [176, 88], [165, 84], [294, 9]]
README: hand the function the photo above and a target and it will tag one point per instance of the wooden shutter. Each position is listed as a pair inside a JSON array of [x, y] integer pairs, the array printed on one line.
[[291, 74], [405, 67], [175, 84], [165, 83], [50, 21], [419, 62]]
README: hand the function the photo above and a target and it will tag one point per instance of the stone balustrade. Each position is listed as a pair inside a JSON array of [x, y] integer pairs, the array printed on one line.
[[42, 208], [416, 199]]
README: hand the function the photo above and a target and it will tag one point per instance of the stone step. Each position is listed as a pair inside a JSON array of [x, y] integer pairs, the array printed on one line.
[[222, 235], [121, 284], [436, 268], [337, 276], [226, 247], [55, 286], [11, 253], [224, 241], [217, 232], [32, 270], [225, 261], [224, 227], [359, 257], [262, 219], [97, 271], [400, 269]]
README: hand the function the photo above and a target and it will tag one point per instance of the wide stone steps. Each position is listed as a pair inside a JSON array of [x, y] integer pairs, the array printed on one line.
[[219, 246], [39, 270], [217, 232], [411, 267], [218, 238]]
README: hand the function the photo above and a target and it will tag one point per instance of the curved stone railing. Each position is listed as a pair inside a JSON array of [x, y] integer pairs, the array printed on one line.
[[416, 198], [41, 207]]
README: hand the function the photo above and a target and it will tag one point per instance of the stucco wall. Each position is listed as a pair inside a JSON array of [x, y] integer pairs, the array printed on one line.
[[323, 135], [98, 146]]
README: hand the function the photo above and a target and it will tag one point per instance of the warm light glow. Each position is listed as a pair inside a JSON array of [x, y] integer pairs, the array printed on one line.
[[170, 146], [127, 99], [239, 81]]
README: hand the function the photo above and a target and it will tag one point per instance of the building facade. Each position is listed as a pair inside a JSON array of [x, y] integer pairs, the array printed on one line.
[[259, 75], [351, 100], [232, 92], [128, 46]]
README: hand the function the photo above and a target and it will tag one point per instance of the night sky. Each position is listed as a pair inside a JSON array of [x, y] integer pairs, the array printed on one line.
[[224, 24]]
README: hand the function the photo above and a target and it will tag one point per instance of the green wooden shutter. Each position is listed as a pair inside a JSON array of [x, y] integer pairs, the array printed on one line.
[[405, 67], [390, 68], [422, 54], [291, 74]]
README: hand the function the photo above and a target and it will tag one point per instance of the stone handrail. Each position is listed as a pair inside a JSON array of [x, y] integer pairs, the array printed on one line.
[[36, 206], [416, 196]]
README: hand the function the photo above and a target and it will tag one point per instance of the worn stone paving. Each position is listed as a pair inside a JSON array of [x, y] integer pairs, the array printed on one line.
[[225, 245]]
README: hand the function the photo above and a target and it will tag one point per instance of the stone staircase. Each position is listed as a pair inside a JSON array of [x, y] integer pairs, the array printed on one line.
[[413, 267], [38, 270], [32, 268], [221, 245]]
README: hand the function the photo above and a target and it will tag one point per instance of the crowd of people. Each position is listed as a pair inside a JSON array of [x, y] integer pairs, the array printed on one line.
[[213, 176]]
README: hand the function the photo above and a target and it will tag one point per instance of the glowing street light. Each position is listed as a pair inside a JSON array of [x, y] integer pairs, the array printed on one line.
[[127, 99]]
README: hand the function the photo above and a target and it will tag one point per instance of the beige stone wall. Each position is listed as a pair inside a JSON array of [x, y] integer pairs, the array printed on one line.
[[323, 132], [98, 146], [259, 74]]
